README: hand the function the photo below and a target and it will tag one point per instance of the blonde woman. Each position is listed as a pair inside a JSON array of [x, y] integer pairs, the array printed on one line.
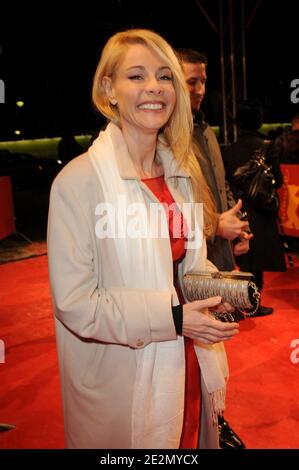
[[140, 368]]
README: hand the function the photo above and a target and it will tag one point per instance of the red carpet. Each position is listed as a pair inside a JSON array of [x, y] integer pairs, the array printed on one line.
[[262, 401], [29, 396]]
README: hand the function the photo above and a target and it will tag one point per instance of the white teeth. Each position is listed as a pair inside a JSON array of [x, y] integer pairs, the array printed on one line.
[[150, 106]]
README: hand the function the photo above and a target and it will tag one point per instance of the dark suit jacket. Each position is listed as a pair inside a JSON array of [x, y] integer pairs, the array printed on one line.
[[210, 160]]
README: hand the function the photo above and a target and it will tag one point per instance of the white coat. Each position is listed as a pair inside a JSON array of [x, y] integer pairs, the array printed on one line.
[[100, 323]]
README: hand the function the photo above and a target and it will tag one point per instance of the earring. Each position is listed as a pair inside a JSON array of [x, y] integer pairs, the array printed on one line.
[[113, 101]]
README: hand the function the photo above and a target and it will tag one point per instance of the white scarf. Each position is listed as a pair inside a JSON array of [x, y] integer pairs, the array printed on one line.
[[146, 263]]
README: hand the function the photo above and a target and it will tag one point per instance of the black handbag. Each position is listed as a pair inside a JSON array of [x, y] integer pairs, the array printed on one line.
[[255, 182], [235, 287]]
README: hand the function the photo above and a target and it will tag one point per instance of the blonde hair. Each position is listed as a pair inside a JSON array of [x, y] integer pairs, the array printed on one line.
[[177, 132]]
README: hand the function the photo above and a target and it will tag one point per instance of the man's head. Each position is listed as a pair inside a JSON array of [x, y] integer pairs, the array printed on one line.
[[194, 66]]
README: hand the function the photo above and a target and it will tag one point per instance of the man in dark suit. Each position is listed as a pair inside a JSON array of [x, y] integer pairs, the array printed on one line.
[[208, 152], [230, 227]]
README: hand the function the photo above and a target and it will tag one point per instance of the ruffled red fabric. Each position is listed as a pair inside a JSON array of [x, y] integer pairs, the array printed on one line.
[[177, 234]]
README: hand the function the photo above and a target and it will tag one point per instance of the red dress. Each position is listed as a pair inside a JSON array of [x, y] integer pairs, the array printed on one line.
[[190, 432]]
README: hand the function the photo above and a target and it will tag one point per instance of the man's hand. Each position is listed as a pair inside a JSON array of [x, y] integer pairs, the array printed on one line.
[[230, 226], [202, 326], [242, 246]]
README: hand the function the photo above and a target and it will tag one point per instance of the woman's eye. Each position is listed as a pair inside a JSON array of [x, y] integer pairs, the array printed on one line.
[[166, 77], [135, 77]]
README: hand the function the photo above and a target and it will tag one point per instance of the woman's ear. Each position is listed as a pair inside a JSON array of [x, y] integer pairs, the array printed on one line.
[[107, 85]]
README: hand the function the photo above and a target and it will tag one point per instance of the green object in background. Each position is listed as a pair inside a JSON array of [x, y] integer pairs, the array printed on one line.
[[273, 127], [264, 129], [41, 148], [47, 148]]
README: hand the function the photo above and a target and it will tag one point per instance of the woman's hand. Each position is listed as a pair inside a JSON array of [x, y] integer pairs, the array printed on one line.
[[204, 327]]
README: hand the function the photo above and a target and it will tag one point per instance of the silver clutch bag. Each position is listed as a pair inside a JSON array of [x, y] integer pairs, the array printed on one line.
[[237, 288]]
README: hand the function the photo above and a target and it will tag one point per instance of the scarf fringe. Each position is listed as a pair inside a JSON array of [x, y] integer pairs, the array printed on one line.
[[218, 403]]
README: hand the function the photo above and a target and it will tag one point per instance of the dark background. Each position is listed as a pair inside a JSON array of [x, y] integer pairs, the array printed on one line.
[[48, 57]]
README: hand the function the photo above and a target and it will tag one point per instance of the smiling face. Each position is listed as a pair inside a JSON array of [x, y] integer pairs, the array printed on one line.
[[142, 88], [196, 77]]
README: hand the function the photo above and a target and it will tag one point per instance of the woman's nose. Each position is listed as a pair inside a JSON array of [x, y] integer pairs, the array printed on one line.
[[153, 86]]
